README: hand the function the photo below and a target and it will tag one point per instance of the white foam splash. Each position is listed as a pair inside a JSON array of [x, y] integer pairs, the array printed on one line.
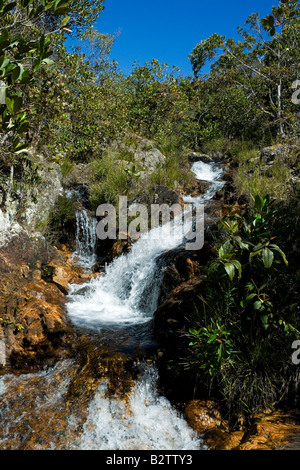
[[148, 422]]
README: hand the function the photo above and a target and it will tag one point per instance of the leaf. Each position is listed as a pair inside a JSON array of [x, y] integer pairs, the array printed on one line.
[[276, 248], [259, 203], [268, 257], [250, 297], [229, 268], [17, 73], [14, 104], [193, 332], [65, 21], [48, 62], [23, 127], [238, 266], [9, 7], [257, 305]]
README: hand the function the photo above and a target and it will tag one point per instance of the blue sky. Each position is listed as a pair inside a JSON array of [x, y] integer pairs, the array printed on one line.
[[168, 30]]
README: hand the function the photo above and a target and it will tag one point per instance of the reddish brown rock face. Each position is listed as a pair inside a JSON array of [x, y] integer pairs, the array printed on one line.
[[272, 430], [33, 320]]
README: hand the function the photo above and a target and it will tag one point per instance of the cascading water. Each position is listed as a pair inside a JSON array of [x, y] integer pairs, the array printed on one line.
[[147, 422], [125, 297], [86, 239], [128, 292], [211, 173]]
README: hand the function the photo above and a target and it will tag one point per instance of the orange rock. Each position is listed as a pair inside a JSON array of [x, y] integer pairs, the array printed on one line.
[[203, 415], [64, 276], [270, 431]]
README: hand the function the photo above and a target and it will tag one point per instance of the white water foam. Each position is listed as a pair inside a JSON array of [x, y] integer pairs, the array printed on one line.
[[127, 293], [210, 172], [147, 422], [86, 239]]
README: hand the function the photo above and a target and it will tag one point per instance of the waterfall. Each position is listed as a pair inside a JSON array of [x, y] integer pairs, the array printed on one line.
[[212, 173], [86, 239], [146, 422], [126, 295], [128, 292]]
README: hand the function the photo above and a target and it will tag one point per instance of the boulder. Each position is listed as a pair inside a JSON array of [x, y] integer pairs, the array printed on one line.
[[198, 157], [34, 325], [203, 415], [145, 154], [165, 195], [275, 152]]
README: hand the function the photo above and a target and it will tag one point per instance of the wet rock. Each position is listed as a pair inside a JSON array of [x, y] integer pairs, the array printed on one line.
[[165, 195], [63, 276], [119, 248], [203, 415], [271, 431], [197, 157], [200, 187], [34, 323]]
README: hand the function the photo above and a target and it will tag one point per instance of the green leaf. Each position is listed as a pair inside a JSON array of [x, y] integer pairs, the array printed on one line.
[[65, 21], [17, 73], [48, 62], [238, 266], [268, 257], [193, 332], [23, 128], [257, 305], [229, 268], [259, 203], [276, 248], [9, 7], [250, 297]]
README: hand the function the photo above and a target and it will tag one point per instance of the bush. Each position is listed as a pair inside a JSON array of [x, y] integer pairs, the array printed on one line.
[[242, 334]]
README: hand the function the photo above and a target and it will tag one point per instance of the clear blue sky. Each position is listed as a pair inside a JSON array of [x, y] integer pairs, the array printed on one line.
[[168, 30]]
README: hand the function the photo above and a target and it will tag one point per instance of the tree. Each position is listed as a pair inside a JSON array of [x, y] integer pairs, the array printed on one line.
[[259, 66]]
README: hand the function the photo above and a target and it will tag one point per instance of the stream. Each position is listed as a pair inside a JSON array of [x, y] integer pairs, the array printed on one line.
[[37, 411]]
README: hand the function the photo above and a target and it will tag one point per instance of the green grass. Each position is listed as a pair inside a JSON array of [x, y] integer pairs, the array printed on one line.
[[253, 177], [111, 178]]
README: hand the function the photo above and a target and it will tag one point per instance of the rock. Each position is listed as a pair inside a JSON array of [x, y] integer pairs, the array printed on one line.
[[19, 213], [200, 187], [80, 174], [203, 415], [49, 190], [165, 195], [35, 326], [196, 157], [146, 156], [64, 276], [275, 152], [271, 431]]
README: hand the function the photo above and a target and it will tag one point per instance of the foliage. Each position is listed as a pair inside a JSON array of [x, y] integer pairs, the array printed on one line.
[[252, 77], [252, 319], [213, 347]]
